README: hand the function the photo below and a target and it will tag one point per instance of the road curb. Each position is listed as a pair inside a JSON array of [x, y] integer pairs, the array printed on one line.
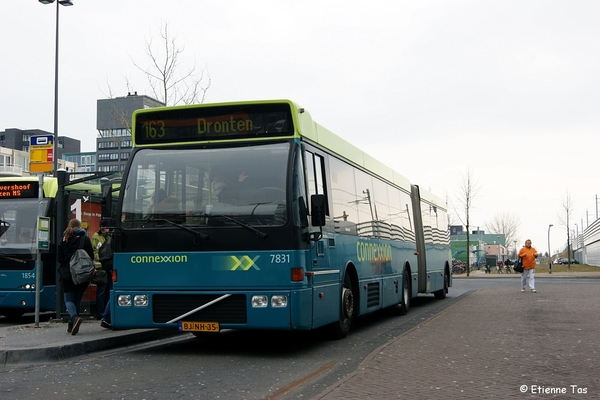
[[53, 353]]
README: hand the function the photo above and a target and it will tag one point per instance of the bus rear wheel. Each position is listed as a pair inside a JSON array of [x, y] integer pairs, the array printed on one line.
[[341, 328], [441, 294]]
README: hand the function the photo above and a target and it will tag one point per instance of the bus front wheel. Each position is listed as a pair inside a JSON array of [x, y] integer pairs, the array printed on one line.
[[341, 328], [406, 294]]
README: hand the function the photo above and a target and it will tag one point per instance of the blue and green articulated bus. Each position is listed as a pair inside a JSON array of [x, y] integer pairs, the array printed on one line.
[[249, 215]]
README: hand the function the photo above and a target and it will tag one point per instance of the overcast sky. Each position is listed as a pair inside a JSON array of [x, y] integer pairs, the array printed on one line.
[[506, 89]]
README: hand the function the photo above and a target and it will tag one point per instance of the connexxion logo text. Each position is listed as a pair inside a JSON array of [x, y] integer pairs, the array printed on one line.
[[176, 258]]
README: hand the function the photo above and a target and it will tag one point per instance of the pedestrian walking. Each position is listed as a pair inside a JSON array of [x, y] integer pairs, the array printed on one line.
[[102, 290], [528, 254], [106, 322], [73, 293], [106, 256]]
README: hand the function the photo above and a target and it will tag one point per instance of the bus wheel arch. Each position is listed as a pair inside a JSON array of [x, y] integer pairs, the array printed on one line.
[[349, 304]]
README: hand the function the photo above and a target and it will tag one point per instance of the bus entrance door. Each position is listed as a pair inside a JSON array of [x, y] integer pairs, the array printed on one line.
[[325, 283]]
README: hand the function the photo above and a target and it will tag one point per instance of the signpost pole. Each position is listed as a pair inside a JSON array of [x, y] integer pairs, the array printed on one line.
[[38, 260]]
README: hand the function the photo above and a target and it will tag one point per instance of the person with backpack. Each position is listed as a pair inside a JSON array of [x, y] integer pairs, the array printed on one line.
[[74, 237], [101, 261]]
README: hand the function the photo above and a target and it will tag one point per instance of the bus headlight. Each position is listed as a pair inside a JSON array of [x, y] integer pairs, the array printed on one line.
[[140, 300], [124, 300], [279, 301], [259, 301]]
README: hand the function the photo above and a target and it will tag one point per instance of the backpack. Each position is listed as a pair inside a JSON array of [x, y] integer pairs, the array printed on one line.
[[105, 251], [81, 265]]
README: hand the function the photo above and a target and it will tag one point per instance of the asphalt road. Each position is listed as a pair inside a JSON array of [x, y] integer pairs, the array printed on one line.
[[233, 364]]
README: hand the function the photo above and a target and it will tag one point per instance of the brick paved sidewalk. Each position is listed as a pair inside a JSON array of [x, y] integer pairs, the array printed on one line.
[[490, 345]]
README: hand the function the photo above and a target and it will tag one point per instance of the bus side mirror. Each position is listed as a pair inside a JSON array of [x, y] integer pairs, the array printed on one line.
[[317, 210], [106, 201]]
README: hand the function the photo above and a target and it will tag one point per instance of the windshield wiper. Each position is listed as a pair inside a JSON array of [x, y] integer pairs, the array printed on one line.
[[240, 223], [185, 228], [2, 255]]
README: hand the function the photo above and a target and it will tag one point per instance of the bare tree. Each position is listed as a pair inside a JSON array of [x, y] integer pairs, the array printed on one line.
[[170, 82], [467, 191], [504, 224], [567, 209]]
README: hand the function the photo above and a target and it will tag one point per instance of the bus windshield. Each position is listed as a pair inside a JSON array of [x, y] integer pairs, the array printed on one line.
[[19, 219], [207, 186]]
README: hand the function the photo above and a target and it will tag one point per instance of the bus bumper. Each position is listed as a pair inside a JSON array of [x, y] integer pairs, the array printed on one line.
[[265, 309]]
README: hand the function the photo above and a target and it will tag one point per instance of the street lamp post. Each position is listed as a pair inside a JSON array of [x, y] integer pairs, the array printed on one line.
[[55, 145], [59, 223], [549, 251]]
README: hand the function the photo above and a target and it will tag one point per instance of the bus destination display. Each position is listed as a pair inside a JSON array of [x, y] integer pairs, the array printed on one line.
[[213, 123], [18, 190]]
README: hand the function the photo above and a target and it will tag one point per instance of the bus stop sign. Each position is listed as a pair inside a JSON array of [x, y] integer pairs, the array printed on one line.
[[41, 153]]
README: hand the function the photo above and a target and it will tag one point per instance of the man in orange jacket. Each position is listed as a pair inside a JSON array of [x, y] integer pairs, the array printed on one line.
[[528, 255]]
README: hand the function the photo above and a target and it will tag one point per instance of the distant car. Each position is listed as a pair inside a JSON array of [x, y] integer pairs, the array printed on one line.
[[566, 261]]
